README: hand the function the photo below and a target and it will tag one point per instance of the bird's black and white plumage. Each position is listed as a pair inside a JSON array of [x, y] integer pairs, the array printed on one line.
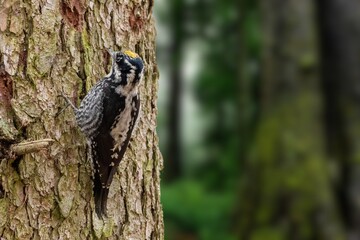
[[107, 116]]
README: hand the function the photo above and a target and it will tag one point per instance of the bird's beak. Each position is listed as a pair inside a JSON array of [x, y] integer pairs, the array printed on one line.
[[112, 53]]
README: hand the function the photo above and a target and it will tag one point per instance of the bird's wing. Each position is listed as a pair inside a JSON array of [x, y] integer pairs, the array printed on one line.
[[108, 151]]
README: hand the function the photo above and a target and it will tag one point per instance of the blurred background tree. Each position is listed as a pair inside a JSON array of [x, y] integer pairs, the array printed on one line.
[[259, 118]]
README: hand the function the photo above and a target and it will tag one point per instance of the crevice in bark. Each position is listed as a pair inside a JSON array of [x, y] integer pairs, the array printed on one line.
[[23, 57], [15, 164], [126, 217], [6, 87], [73, 12], [107, 60], [8, 130], [113, 29], [82, 73], [4, 149], [137, 47], [147, 56], [62, 38], [150, 7], [40, 9], [2, 191]]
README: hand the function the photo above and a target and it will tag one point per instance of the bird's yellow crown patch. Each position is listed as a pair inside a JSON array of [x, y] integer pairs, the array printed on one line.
[[131, 54]]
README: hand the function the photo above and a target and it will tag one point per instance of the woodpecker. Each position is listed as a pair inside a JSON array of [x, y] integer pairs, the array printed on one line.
[[107, 116]]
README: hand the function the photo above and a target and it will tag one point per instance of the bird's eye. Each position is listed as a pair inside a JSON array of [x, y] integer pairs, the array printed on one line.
[[118, 58]]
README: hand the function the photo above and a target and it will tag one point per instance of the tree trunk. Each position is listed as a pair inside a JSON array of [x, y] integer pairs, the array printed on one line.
[[174, 148], [340, 54], [287, 192], [59, 46]]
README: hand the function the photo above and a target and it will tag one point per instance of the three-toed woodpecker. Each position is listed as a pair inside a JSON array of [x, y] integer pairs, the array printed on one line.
[[107, 116]]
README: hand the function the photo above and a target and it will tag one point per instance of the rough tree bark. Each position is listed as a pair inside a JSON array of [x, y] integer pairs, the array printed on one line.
[[54, 46]]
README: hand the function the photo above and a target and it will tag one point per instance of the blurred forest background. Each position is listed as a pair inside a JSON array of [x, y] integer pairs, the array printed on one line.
[[259, 118]]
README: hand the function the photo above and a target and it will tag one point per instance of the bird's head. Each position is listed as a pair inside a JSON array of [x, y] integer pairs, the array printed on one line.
[[127, 67]]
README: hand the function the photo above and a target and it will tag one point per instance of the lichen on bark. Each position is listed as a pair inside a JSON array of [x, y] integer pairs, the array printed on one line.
[[59, 47]]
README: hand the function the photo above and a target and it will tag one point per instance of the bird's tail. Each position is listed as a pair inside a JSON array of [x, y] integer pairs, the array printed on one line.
[[100, 197]]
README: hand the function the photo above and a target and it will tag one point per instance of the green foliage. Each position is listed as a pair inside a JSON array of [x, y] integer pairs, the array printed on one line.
[[189, 207], [204, 207], [273, 128], [268, 234]]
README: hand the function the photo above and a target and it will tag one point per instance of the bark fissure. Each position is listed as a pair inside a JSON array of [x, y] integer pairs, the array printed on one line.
[[28, 30], [81, 72]]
